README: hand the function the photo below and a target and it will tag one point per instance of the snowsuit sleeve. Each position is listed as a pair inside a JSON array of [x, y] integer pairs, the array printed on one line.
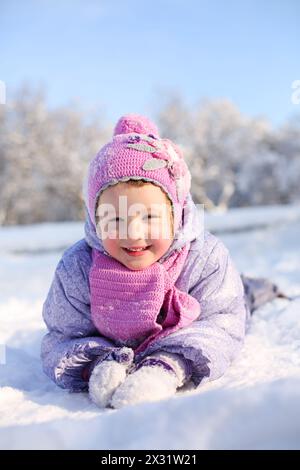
[[72, 342], [212, 341]]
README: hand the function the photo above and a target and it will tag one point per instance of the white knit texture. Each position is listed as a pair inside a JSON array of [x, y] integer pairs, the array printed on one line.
[[104, 380], [175, 362], [149, 383]]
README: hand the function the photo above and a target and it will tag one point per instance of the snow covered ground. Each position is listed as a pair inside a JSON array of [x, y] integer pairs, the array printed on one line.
[[255, 405]]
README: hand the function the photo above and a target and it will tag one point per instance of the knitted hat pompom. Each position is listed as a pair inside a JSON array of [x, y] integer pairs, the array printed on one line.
[[135, 123]]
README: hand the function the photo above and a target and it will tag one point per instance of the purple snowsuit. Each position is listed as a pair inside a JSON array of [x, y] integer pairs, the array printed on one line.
[[210, 344]]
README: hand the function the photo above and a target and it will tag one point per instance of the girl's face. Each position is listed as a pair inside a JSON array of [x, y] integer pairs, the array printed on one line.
[[135, 217]]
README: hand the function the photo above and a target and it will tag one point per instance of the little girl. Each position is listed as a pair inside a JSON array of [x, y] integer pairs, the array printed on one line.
[[148, 301]]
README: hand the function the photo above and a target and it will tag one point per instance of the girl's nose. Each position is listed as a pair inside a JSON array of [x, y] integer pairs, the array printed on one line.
[[136, 229]]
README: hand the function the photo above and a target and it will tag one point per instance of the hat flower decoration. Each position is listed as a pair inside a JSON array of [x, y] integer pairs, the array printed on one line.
[[163, 155]]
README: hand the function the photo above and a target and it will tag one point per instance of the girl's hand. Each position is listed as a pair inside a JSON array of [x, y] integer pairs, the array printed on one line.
[[108, 374]]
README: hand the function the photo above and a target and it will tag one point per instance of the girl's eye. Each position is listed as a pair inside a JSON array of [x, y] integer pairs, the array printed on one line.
[[149, 216]]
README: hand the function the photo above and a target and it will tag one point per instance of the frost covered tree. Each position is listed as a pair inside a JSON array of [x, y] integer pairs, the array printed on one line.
[[234, 160], [287, 145], [44, 154]]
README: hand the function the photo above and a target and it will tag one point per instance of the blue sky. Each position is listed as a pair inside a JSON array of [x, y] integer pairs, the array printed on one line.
[[123, 56]]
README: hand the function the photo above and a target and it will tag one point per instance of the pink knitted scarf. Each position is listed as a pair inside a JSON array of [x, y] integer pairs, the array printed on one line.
[[133, 308]]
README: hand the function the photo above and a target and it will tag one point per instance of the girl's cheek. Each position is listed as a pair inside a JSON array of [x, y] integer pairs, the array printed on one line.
[[160, 232], [161, 246], [107, 232], [111, 246]]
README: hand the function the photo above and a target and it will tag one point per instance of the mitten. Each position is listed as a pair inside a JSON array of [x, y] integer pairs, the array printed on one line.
[[107, 374], [155, 378]]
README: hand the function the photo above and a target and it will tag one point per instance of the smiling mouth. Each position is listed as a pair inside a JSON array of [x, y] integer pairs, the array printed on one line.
[[136, 250]]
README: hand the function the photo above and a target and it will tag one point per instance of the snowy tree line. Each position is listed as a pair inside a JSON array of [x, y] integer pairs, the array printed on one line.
[[234, 160]]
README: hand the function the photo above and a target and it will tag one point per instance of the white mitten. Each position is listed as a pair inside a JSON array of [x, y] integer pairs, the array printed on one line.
[[157, 377], [108, 374]]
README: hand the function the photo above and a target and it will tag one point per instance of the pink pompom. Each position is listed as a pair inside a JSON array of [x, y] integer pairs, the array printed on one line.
[[135, 123]]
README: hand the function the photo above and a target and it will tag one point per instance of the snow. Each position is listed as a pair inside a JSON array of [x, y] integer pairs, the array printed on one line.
[[255, 405], [249, 218]]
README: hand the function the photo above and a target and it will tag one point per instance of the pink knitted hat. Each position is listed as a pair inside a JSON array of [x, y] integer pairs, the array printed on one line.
[[137, 152]]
